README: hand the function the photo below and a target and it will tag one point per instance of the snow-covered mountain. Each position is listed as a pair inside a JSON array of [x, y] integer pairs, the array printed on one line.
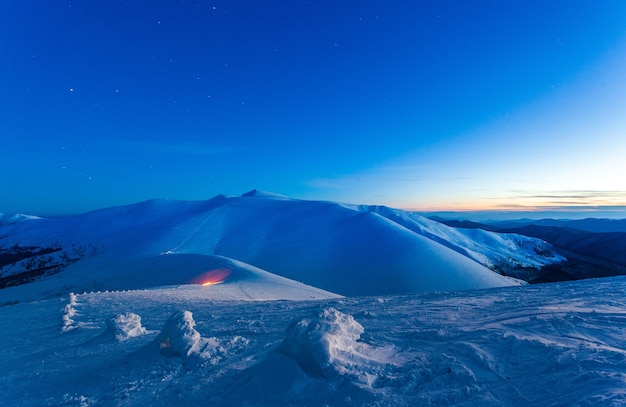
[[345, 249], [7, 219], [508, 253], [591, 247], [159, 303]]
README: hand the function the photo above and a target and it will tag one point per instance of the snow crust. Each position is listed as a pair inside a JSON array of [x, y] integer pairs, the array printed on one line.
[[541, 345], [319, 355]]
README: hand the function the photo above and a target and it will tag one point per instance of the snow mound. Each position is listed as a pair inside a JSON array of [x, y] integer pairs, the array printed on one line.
[[126, 326], [327, 341], [179, 338], [320, 358], [69, 312]]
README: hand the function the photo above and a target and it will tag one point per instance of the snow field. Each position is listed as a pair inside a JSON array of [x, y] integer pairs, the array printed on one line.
[[544, 345]]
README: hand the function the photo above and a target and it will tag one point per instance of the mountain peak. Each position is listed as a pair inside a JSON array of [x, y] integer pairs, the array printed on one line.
[[263, 194], [8, 218]]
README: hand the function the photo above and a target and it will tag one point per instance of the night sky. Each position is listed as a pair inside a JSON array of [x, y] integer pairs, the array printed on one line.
[[447, 105]]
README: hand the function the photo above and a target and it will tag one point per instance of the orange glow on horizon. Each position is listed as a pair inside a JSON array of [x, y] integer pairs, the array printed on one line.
[[526, 203], [212, 277]]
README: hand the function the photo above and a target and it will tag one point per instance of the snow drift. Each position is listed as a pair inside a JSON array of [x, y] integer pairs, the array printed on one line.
[[179, 337], [541, 345], [125, 326], [329, 340], [319, 355]]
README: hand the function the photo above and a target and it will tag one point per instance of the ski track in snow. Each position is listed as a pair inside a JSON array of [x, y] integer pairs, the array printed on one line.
[[192, 234], [544, 345], [244, 292]]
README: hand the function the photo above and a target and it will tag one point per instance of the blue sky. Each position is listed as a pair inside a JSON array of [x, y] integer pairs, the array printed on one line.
[[423, 105]]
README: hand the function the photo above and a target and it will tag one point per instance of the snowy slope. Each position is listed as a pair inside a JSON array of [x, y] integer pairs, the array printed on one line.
[[335, 247], [508, 253], [542, 345], [211, 276], [7, 219]]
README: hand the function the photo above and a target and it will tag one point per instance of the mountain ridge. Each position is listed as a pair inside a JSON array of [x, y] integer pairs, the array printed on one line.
[[324, 244]]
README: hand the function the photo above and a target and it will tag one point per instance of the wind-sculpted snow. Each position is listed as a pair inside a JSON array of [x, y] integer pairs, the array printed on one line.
[[328, 340], [68, 314], [125, 326], [179, 338], [541, 345], [320, 355]]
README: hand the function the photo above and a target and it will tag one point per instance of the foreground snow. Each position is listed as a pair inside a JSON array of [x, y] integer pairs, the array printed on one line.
[[559, 344]]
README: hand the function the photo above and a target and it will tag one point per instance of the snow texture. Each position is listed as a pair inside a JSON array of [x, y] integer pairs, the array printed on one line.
[[210, 280], [125, 326], [326, 341], [541, 345]]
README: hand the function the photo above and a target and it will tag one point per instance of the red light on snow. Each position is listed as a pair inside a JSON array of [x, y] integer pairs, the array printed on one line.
[[212, 277]]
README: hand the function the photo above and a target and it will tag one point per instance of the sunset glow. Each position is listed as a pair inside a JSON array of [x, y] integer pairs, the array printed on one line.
[[212, 277]]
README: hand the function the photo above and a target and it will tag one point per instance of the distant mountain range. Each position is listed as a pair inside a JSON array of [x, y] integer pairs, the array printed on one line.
[[593, 247], [593, 225]]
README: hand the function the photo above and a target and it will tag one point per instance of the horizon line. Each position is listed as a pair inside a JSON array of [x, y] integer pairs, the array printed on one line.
[[535, 211]]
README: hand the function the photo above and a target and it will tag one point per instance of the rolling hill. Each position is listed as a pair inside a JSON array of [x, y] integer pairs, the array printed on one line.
[[344, 249]]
